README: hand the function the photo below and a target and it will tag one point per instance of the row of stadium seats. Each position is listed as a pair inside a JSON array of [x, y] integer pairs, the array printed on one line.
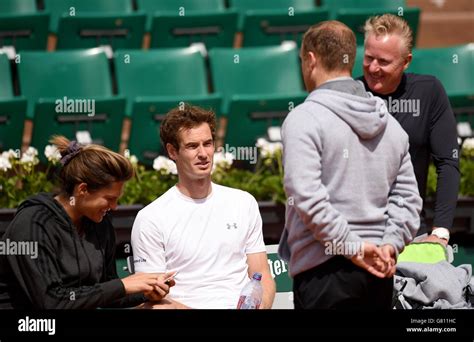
[[253, 88], [123, 23]]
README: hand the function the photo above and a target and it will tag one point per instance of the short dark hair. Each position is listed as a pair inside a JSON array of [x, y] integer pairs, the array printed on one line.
[[333, 43], [185, 117]]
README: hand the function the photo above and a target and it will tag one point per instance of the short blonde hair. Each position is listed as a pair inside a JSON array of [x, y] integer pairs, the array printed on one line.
[[390, 24]]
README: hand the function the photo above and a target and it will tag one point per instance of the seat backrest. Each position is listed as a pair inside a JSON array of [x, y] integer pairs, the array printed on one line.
[[12, 110], [59, 8], [335, 5], [453, 66], [123, 267], [284, 284], [175, 7], [6, 88], [160, 72], [18, 7], [78, 73], [358, 69], [270, 70], [248, 5]]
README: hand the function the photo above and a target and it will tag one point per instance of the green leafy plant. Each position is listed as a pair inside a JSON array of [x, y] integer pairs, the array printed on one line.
[[147, 185], [265, 183], [21, 176], [466, 166]]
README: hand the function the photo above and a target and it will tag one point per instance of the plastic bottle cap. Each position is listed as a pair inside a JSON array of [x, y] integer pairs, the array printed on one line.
[[257, 276]]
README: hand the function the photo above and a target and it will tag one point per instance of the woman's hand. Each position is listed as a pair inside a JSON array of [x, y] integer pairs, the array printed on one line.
[[165, 281], [141, 282]]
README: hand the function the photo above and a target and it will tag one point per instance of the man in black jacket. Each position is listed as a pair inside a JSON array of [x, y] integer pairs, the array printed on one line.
[[421, 106]]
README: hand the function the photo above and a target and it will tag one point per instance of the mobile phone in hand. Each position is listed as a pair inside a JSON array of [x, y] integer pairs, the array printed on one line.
[[170, 276]]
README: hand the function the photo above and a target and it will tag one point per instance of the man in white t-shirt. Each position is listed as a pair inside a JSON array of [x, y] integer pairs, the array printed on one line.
[[210, 234]]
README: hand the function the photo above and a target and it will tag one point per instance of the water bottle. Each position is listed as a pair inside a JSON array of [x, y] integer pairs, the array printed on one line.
[[251, 295]]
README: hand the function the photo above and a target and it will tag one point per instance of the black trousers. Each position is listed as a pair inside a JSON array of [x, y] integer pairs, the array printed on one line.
[[339, 284]]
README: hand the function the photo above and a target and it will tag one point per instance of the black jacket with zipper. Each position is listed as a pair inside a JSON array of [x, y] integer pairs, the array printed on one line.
[[70, 271]]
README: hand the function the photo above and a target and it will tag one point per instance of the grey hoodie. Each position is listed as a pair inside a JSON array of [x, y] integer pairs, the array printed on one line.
[[348, 178]]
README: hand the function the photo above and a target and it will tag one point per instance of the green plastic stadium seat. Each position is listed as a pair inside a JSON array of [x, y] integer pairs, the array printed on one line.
[[178, 8], [120, 32], [22, 26], [338, 5], [80, 73], [179, 24], [12, 110], [47, 77], [67, 8], [173, 6], [212, 29], [453, 66], [282, 7], [122, 267], [6, 88], [90, 23], [250, 5], [12, 119], [24, 32], [152, 82], [250, 116], [267, 76], [354, 13], [358, 69], [18, 6], [104, 127], [272, 27], [162, 72]]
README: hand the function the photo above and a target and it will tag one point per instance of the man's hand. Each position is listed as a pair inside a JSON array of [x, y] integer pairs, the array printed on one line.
[[372, 259], [389, 253], [434, 238]]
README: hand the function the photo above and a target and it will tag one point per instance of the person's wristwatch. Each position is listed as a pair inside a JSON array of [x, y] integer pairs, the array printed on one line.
[[441, 232]]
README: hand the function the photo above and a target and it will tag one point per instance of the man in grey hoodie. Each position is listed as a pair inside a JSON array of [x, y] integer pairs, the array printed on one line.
[[353, 201]]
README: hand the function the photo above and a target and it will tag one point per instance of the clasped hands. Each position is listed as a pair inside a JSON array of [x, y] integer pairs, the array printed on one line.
[[379, 261]]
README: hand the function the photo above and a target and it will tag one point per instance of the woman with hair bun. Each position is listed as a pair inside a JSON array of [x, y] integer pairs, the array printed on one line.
[[70, 262]]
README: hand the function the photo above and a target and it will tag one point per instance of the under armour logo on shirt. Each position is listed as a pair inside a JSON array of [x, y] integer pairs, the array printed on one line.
[[234, 225]]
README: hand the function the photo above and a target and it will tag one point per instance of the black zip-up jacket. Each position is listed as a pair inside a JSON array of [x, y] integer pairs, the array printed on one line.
[[432, 135], [67, 271]]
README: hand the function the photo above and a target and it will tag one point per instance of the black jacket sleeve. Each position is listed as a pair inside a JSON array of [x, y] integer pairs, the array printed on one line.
[[445, 154], [39, 278]]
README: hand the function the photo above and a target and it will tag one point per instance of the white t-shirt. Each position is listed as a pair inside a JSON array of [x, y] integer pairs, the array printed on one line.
[[205, 240]]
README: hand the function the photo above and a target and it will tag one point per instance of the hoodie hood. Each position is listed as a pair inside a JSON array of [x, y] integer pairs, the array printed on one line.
[[366, 116], [47, 200]]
